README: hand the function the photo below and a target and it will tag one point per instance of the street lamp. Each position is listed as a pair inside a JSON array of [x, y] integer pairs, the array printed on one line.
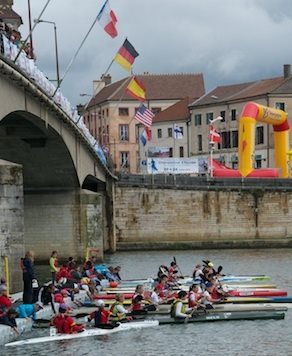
[[212, 144], [56, 48]]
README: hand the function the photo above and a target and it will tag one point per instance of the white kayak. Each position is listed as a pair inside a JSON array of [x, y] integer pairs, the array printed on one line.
[[87, 333]]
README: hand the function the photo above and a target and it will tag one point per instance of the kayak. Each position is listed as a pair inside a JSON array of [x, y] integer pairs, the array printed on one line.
[[258, 300], [86, 333], [258, 293], [224, 317]]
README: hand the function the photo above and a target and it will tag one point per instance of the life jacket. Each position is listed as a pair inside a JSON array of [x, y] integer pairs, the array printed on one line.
[[173, 307], [115, 314]]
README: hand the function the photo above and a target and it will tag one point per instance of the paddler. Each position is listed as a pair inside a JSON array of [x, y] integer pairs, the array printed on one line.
[[195, 296], [101, 316], [208, 300], [64, 323], [118, 311], [178, 308]]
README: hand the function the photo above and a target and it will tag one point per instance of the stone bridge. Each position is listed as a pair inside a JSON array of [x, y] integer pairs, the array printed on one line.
[[55, 190]]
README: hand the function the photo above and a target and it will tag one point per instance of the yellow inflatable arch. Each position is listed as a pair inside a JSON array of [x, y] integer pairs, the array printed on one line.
[[252, 113]]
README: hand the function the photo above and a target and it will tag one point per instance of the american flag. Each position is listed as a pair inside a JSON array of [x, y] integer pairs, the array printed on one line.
[[144, 115]]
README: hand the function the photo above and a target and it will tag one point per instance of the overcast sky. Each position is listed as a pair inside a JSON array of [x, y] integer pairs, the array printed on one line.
[[229, 41]]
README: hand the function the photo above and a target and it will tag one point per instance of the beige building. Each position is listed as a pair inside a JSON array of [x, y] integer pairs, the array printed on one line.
[[228, 102], [110, 113]]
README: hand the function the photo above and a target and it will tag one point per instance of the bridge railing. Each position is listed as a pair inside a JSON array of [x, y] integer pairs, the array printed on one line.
[[28, 68], [181, 181]]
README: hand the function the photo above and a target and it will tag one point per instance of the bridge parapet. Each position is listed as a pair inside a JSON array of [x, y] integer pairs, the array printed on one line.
[[26, 74]]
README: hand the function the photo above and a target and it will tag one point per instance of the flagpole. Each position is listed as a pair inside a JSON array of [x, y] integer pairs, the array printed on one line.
[[31, 31], [74, 57]]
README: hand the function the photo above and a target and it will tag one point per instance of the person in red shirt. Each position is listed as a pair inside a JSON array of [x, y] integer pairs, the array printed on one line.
[[101, 317], [64, 323], [5, 302]]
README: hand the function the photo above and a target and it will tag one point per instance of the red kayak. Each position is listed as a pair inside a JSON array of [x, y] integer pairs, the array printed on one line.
[[258, 293]]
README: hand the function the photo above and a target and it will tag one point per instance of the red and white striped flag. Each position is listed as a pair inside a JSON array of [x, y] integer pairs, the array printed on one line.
[[144, 115], [214, 135]]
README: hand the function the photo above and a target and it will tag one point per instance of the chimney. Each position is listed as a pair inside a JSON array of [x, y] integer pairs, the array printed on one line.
[[107, 79], [287, 70], [98, 85]]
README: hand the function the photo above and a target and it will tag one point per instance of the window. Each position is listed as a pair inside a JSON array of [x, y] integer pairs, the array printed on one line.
[[259, 135], [200, 143], [170, 152], [169, 130], [225, 139], [233, 114], [234, 138], [124, 159], [209, 117], [137, 132], [198, 119], [106, 112], [159, 133], [181, 151], [280, 106], [124, 132], [222, 114], [123, 112], [155, 110]]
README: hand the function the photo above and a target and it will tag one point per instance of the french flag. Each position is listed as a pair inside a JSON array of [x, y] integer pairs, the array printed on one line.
[[146, 135], [108, 20]]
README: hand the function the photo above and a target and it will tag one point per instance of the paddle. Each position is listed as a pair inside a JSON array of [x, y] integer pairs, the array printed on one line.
[[174, 260]]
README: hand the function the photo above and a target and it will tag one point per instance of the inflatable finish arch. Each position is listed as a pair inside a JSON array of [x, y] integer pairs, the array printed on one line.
[[252, 113]]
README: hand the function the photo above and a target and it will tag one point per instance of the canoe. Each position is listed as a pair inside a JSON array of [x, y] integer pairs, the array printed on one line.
[[258, 293], [221, 308], [224, 317], [86, 333]]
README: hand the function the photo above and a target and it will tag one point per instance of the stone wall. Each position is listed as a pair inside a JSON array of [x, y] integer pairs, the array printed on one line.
[[11, 222], [65, 221], [152, 217]]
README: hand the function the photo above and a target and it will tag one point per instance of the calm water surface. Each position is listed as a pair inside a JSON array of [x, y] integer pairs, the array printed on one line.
[[262, 337]]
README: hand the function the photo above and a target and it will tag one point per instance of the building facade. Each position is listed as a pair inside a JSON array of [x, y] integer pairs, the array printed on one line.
[[110, 113], [228, 102]]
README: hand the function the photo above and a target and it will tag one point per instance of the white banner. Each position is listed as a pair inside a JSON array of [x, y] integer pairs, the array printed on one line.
[[158, 165]]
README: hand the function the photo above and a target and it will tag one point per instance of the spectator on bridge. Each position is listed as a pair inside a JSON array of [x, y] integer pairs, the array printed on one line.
[[27, 266]]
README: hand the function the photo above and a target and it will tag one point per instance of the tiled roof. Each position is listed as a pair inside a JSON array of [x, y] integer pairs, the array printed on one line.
[[177, 112], [240, 91], [158, 87]]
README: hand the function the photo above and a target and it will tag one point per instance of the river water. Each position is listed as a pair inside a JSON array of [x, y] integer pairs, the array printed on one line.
[[248, 338]]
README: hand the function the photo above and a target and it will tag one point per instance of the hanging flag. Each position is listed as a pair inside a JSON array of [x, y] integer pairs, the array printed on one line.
[[146, 135], [144, 116], [214, 136], [107, 19], [177, 132], [126, 55], [136, 89]]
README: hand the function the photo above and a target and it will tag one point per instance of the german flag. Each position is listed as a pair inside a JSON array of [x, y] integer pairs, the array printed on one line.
[[126, 55], [136, 89]]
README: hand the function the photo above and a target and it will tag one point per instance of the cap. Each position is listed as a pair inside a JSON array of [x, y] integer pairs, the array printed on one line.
[[99, 303], [39, 305], [210, 264]]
